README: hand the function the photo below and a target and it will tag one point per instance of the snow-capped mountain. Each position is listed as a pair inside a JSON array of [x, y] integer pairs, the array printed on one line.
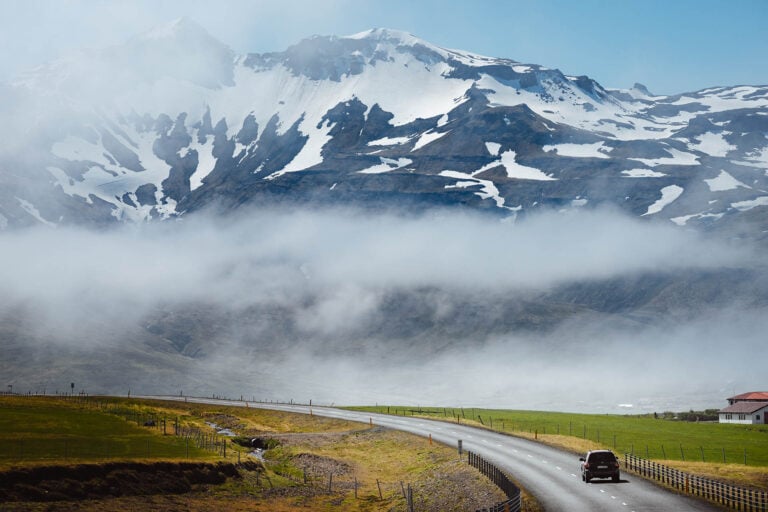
[[173, 121], [286, 300]]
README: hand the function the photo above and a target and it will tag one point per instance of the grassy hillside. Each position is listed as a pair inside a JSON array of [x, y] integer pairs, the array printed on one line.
[[43, 429]]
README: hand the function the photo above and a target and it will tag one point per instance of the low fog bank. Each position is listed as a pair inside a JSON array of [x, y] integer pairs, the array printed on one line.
[[580, 311], [668, 367]]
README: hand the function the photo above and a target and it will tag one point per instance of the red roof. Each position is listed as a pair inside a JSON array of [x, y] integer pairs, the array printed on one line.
[[744, 407], [752, 395]]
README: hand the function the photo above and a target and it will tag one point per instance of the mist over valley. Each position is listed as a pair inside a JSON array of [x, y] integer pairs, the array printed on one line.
[[376, 219]]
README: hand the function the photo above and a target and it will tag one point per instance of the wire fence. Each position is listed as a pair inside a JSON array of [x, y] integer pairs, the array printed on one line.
[[346, 483], [732, 497], [179, 439], [513, 503], [716, 448]]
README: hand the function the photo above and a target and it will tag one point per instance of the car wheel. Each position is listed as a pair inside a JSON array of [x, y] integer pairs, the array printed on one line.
[[616, 478]]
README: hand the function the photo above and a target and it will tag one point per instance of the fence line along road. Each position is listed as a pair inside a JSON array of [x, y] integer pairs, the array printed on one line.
[[735, 498], [547, 473], [513, 503]]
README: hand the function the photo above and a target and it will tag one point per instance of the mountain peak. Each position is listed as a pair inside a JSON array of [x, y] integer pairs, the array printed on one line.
[[642, 89], [331, 57], [178, 28], [388, 34], [398, 39], [182, 49]]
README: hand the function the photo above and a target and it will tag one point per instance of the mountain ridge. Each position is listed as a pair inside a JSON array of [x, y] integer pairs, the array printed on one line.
[[178, 122]]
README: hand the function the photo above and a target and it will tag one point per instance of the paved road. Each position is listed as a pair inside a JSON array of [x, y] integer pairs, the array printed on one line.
[[549, 474]]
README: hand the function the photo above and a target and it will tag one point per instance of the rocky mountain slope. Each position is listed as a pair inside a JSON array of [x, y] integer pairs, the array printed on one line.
[[173, 122]]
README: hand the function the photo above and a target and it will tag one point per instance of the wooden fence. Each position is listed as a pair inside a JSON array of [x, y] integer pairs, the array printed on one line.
[[513, 502], [735, 498]]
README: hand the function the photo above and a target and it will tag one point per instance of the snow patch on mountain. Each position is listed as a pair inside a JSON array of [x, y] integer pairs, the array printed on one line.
[[718, 99], [205, 161], [749, 204], [389, 141], [560, 100], [519, 171], [105, 179], [643, 173], [724, 181], [493, 148], [683, 220], [668, 195], [427, 138], [595, 150], [676, 157], [757, 158], [311, 153], [34, 212], [713, 144], [488, 188], [387, 165]]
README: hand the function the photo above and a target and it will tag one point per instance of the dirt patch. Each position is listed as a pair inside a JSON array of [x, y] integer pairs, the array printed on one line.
[[304, 438], [454, 486], [316, 465], [91, 481], [225, 421]]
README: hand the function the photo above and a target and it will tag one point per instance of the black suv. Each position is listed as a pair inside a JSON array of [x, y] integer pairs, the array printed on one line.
[[599, 464]]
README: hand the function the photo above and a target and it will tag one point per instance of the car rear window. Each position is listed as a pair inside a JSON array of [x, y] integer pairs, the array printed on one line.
[[598, 458]]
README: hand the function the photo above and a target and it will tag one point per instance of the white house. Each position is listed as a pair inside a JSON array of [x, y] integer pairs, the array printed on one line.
[[747, 409]]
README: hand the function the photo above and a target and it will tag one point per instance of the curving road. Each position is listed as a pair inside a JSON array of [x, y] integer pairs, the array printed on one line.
[[551, 475]]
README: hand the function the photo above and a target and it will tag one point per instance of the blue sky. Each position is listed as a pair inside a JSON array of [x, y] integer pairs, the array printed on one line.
[[671, 46]]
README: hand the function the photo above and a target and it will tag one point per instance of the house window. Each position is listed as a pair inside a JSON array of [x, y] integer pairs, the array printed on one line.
[[729, 416], [742, 416], [757, 417]]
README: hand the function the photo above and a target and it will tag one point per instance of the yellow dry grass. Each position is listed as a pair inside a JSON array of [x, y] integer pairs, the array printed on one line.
[[440, 480], [735, 474]]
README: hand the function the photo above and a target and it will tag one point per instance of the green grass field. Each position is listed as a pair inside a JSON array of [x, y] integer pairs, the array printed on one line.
[[54, 429], [57, 435], [644, 436]]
